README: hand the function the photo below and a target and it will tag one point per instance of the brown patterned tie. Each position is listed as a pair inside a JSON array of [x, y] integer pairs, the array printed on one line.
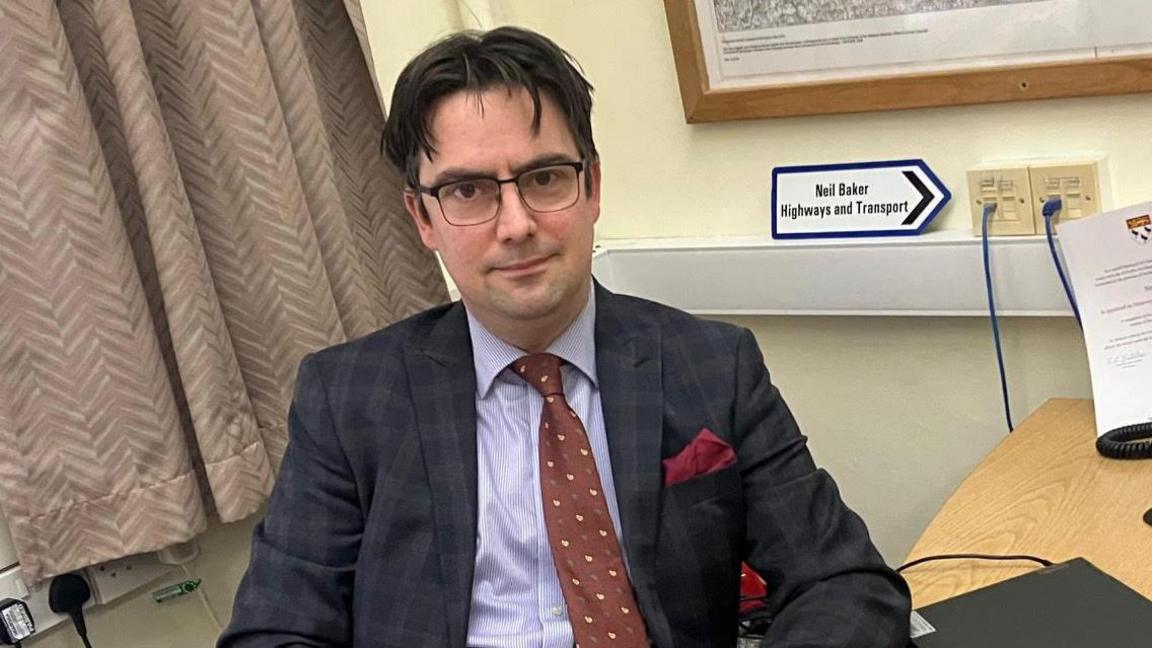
[[601, 606]]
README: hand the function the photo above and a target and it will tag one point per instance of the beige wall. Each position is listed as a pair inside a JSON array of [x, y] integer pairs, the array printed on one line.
[[399, 30], [898, 409]]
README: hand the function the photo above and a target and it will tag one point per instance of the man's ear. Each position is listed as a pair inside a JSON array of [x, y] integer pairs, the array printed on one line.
[[414, 204], [594, 194]]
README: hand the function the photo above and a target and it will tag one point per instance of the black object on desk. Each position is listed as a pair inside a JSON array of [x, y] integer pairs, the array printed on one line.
[[1068, 605]]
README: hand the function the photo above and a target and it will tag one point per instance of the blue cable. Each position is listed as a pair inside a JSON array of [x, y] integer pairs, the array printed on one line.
[[1052, 206], [990, 209]]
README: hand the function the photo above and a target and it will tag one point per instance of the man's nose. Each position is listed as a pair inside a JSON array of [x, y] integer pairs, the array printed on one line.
[[515, 220]]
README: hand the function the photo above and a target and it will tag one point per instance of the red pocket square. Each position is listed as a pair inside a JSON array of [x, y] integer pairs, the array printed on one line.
[[707, 453]]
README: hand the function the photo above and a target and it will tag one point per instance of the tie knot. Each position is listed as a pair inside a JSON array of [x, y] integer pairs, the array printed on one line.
[[542, 371]]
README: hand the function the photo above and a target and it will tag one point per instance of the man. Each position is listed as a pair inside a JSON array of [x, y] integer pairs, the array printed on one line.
[[546, 463]]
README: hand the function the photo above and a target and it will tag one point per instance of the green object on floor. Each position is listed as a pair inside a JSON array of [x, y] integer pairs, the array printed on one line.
[[175, 591]]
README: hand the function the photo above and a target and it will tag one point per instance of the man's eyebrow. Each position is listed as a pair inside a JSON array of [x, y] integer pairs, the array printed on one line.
[[456, 174], [542, 161]]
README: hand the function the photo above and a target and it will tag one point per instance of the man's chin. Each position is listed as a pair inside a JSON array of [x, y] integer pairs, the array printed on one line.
[[528, 302], [528, 310]]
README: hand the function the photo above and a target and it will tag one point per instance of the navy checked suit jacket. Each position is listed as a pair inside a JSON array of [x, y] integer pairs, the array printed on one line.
[[369, 536]]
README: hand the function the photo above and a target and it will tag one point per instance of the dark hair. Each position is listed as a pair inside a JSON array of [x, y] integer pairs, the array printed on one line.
[[475, 61]]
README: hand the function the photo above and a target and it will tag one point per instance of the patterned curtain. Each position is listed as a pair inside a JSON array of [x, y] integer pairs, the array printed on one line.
[[191, 199]]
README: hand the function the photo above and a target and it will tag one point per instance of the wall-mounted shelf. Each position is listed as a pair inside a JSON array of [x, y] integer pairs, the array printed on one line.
[[938, 273]]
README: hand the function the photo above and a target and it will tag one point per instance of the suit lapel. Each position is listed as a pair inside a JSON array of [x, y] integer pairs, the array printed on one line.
[[442, 378], [631, 395]]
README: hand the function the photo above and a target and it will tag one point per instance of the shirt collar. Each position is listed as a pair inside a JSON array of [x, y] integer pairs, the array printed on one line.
[[576, 346]]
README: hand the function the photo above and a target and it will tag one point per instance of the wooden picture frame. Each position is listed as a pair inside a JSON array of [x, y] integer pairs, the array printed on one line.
[[1110, 76]]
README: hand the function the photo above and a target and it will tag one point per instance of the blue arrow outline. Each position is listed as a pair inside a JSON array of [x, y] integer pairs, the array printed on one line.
[[946, 196]]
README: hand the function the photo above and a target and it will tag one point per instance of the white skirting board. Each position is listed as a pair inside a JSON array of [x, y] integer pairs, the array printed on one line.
[[935, 274]]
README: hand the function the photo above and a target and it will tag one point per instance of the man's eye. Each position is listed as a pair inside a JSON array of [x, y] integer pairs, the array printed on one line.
[[463, 190], [542, 178]]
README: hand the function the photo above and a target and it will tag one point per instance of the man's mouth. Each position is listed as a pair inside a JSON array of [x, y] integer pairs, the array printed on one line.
[[524, 267]]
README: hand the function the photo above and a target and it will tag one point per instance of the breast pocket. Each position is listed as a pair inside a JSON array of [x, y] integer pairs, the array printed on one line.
[[699, 549], [705, 513], [723, 483]]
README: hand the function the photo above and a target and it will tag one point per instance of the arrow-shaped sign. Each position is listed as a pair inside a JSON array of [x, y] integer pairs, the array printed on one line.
[[893, 198]]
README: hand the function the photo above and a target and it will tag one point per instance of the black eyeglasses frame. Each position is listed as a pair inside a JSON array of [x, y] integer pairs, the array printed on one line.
[[434, 191]]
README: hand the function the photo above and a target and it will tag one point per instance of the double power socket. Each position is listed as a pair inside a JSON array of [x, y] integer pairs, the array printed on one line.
[[1019, 191]]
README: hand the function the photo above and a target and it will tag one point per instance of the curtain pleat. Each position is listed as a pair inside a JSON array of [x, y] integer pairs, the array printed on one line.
[[191, 199]]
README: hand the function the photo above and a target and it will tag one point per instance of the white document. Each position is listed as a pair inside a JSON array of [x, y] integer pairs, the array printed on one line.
[[1109, 259]]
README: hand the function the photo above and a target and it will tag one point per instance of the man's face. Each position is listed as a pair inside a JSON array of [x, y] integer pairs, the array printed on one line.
[[522, 268]]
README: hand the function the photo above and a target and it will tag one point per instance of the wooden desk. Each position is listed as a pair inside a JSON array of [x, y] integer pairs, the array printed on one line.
[[1044, 491]]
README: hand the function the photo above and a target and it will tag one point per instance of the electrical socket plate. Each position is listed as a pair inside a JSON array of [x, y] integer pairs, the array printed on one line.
[[1081, 185], [108, 581], [1010, 188], [114, 579]]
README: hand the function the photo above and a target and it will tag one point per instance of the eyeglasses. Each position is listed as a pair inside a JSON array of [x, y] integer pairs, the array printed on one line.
[[475, 201]]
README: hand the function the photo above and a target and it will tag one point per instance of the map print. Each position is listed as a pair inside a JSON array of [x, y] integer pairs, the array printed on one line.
[[744, 15]]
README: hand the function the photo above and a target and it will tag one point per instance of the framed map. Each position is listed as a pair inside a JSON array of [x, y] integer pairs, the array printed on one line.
[[742, 59]]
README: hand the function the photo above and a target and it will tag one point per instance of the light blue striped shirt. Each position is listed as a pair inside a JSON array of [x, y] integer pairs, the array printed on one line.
[[516, 597]]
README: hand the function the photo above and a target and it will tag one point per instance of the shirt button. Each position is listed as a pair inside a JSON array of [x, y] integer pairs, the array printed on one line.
[[557, 611]]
